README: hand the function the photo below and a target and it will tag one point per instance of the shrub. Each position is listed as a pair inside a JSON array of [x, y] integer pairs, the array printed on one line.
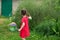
[[40, 11], [47, 27]]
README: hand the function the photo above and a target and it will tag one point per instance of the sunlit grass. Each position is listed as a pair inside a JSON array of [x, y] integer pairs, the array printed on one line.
[[5, 34]]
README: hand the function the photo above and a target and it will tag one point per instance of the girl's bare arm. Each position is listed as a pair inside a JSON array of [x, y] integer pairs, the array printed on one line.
[[23, 24], [29, 17]]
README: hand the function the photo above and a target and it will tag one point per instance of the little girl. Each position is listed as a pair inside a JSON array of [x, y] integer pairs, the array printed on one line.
[[24, 29]]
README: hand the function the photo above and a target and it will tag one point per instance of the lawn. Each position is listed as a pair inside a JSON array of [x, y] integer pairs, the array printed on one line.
[[45, 19], [5, 34]]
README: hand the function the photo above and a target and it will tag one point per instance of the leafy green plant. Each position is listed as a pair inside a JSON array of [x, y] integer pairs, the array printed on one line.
[[47, 27], [44, 15]]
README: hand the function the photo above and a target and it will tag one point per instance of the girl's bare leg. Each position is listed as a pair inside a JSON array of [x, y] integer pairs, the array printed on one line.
[[23, 39]]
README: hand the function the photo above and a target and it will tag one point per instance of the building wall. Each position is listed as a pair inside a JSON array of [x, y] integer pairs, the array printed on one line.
[[0, 7], [15, 5]]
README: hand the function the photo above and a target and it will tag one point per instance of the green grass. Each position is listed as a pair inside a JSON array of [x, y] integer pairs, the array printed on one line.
[[5, 34]]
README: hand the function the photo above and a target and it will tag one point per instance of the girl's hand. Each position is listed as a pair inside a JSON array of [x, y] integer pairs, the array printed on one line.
[[30, 17], [19, 30]]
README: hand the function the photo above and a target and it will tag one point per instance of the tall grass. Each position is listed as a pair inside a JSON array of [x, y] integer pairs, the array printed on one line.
[[40, 10]]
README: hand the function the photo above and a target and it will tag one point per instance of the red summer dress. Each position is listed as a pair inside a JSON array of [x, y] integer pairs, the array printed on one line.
[[25, 31]]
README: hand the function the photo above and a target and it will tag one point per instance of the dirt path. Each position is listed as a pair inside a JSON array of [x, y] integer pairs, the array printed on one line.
[[2, 20]]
